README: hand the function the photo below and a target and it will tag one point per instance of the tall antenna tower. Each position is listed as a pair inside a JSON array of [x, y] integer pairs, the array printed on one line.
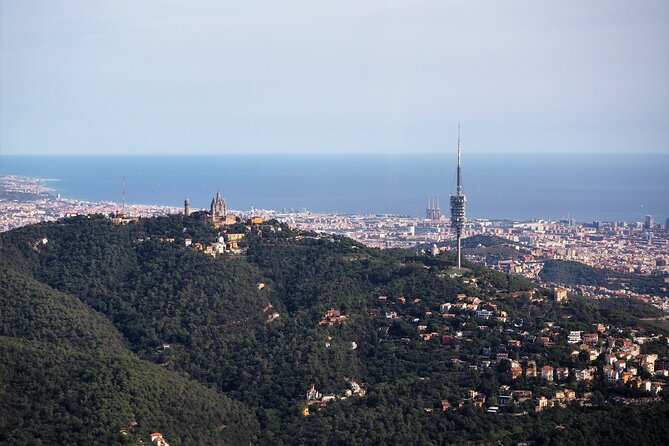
[[458, 208]]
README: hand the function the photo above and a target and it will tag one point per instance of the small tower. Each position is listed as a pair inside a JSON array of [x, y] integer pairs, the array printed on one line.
[[186, 207]]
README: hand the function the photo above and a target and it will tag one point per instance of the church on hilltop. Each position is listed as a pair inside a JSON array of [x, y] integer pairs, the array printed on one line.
[[218, 208], [218, 213]]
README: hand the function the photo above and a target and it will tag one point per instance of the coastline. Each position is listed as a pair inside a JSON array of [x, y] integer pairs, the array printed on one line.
[[624, 248], [498, 186], [28, 200]]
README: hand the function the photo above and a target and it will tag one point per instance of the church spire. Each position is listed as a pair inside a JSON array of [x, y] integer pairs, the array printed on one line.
[[218, 206]]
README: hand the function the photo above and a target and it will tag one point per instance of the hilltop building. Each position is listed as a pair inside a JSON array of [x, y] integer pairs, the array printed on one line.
[[157, 439], [121, 218], [218, 214], [218, 208], [186, 207]]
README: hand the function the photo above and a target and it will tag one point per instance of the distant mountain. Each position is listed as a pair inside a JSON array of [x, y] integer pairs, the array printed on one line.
[[109, 333]]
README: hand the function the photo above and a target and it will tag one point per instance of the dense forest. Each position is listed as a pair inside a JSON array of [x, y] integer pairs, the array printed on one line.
[[109, 333]]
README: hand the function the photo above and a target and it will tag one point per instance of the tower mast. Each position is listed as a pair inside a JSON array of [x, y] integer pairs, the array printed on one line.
[[459, 165], [458, 208]]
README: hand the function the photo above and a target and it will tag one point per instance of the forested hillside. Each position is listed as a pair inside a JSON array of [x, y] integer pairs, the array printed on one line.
[[117, 325], [574, 273], [60, 395]]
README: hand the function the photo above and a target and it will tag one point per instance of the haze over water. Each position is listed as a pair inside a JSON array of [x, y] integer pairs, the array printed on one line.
[[514, 186]]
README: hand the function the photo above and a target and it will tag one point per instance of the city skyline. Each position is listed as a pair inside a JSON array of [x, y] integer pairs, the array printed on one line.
[[588, 187], [334, 77]]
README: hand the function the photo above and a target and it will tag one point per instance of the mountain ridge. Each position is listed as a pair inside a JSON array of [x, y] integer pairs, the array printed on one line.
[[251, 333]]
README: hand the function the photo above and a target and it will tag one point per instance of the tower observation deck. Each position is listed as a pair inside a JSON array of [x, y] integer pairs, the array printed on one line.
[[458, 202]]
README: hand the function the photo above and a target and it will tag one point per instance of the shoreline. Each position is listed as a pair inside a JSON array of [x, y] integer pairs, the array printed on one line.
[[40, 187], [604, 245], [525, 188], [28, 200]]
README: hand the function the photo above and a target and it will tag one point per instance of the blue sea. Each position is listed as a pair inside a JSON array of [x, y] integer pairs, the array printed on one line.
[[514, 186]]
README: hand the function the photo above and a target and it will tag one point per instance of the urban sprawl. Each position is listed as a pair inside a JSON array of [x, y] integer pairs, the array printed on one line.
[[639, 247]]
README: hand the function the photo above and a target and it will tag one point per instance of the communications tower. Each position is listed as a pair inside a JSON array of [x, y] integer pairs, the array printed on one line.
[[458, 208]]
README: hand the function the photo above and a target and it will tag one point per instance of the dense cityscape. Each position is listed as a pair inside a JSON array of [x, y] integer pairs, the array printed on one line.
[[640, 247], [628, 247]]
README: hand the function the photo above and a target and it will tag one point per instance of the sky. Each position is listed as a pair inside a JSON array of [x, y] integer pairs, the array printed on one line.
[[343, 76]]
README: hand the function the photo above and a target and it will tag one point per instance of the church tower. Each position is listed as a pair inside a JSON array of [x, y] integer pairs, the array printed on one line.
[[218, 206]]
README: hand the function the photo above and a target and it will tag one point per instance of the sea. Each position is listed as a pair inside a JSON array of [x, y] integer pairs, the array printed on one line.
[[498, 186]]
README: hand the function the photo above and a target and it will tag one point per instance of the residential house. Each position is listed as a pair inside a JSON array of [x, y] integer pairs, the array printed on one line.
[[541, 403], [611, 374], [562, 373], [584, 375], [560, 294], [591, 338], [332, 317], [158, 440], [547, 373], [522, 395]]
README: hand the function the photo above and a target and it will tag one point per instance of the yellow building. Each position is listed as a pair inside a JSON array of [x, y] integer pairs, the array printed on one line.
[[561, 294], [122, 219]]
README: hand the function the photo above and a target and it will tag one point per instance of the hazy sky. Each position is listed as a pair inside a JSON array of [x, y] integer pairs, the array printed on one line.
[[333, 76]]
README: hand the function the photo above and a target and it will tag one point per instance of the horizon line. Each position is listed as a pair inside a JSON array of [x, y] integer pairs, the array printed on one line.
[[198, 154]]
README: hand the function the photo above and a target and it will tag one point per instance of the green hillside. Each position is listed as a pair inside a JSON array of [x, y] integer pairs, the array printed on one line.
[[31, 310], [68, 376], [575, 273], [60, 395], [237, 339]]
